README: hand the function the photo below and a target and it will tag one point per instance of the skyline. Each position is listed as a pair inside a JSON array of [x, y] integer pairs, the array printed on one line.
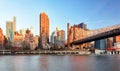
[[93, 13]]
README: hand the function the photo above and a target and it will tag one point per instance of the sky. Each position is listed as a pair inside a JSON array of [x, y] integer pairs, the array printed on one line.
[[95, 13]]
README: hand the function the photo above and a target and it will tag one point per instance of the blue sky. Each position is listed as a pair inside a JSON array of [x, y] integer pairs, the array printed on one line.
[[95, 13]]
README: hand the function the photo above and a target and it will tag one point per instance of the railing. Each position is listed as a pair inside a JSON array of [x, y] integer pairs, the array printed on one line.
[[102, 30]]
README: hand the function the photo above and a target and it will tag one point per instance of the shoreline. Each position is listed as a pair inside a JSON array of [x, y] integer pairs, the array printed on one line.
[[43, 52], [54, 52]]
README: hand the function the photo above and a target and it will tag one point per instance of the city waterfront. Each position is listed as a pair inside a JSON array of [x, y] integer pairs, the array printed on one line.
[[59, 35], [60, 63]]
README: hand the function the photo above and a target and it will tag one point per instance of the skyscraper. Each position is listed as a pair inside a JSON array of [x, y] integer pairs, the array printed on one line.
[[44, 29], [53, 35], [32, 29], [2, 39], [10, 28], [58, 37], [14, 24], [29, 40], [100, 44]]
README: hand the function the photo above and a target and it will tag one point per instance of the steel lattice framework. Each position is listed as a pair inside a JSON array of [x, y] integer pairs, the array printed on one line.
[[97, 34]]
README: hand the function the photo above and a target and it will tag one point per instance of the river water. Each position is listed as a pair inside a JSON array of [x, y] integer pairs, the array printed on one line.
[[60, 63]]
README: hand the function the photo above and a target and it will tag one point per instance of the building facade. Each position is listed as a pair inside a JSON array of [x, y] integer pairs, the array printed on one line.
[[14, 24], [53, 35], [117, 39], [17, 41], [77, 32], [100, 44], [10, 28], [32, 29], [36, 40], [29, 40], [2, 39], [110, 42], [117, 42], [58, 37], [22, 32], [83, 26], [44, 29]]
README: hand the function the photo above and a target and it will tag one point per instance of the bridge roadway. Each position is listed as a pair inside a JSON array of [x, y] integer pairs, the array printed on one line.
[[107, 34]]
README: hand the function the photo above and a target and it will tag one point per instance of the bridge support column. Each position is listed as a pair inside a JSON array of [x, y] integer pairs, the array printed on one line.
[[68, 35]]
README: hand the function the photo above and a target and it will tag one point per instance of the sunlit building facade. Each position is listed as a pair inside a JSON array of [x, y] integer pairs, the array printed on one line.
[[58, 37], [29, 40], [1, 39], [77, 32], [36, 39], [22, 32], [44, 29], [10, 28], [17, 41]]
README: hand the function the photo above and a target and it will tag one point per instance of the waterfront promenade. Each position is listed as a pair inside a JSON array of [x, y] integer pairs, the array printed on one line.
[[37, 52], [55, 52]]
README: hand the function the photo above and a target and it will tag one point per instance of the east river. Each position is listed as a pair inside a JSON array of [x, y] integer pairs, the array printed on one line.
[[60, 63]]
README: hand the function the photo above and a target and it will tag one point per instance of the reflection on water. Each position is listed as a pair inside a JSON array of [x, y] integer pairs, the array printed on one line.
[[60, 63]]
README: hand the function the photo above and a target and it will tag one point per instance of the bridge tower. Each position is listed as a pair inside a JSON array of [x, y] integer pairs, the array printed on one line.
[[68, 35]]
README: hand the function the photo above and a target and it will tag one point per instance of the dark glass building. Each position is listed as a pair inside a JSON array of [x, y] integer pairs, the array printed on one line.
[[100, 44]]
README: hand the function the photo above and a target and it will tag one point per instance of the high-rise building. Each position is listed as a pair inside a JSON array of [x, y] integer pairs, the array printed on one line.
[[32, 29], [10, 28], [58, 37], [29, 40], [83, 26], [100, 44], [44, 29], [53, 35], [109, 42], [1, 39], [17, 41], [61, 35], [14, 24], [22, 32], [36, 40]]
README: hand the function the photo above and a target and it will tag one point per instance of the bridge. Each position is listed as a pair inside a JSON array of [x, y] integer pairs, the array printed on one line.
[[97, 34]]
